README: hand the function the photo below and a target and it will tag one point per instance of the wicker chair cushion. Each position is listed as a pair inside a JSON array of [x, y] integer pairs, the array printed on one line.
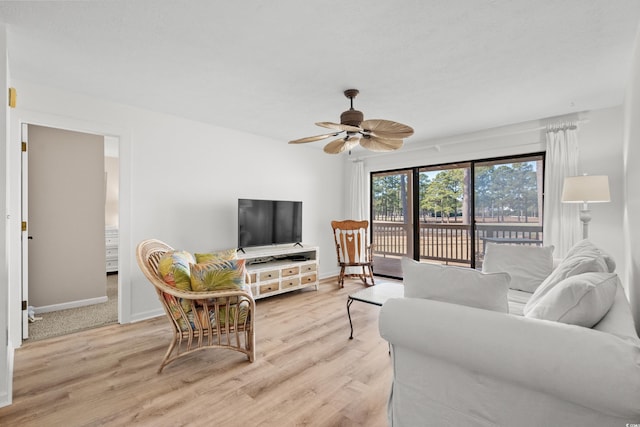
[[243, 306], [174, 269], [217, 275], [226, 255]]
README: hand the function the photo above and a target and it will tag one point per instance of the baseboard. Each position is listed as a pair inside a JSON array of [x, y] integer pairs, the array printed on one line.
[[4, 400], [6, 388], [138, 317], [70, 304]]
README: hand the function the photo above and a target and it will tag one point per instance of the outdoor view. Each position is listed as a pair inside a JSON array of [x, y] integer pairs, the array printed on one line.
[[453, 221]]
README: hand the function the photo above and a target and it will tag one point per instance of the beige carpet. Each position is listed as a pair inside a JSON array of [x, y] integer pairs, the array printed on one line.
[[64, 322]]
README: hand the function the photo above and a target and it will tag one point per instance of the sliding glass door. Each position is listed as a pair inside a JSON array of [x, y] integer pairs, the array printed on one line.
[[392, 220], [445, 214], [449, 213], [508, 203]]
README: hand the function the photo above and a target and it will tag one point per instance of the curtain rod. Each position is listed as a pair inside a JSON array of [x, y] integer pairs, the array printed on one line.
[[476, 138]]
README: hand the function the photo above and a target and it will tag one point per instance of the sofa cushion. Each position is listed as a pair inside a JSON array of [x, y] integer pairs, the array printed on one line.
[[585, 259], [517, 300], [528, 266], [174, 269], [224, 255], [218, 275], [586, 246], [580, 300], [458, 285], [619, 320]]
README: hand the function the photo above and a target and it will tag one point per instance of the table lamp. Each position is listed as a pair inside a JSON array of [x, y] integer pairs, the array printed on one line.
[[586, 189]]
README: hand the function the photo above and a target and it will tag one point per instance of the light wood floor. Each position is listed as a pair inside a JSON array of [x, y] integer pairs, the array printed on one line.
[[307, 372]]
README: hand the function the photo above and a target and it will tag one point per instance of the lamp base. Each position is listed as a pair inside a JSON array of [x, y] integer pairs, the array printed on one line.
[[585, 217]]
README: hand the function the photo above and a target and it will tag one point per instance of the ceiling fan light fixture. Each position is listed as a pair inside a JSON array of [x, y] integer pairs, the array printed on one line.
[[374, 135]]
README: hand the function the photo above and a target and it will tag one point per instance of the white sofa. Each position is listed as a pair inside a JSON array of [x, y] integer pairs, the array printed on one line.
[[460, 365]]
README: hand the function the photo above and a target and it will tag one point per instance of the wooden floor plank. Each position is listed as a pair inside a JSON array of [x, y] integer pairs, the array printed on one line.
[[307, 372]]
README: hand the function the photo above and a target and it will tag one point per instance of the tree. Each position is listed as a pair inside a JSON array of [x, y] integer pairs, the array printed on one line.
[[483, 196], [387, 196], [425, 181], [444, 193]]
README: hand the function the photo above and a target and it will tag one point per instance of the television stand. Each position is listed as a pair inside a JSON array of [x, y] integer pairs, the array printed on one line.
[[286, 269]]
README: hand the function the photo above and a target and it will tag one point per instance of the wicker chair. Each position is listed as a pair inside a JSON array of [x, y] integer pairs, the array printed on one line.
[[353, 249], [216, 319]]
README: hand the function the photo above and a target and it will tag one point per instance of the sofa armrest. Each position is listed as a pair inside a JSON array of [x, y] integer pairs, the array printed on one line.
[[589, 368]]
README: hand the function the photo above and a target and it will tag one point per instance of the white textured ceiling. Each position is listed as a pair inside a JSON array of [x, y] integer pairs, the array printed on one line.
[[275, 68]]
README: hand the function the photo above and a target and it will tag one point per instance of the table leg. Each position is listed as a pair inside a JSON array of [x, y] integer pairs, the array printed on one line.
[[349, 302]]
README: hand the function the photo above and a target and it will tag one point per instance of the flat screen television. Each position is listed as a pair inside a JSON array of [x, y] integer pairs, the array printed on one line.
[[268, 222]]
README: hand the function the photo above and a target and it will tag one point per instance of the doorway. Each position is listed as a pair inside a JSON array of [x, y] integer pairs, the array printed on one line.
[[72, 228]]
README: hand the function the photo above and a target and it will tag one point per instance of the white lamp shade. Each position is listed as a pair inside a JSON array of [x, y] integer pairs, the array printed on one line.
[[586, 189]]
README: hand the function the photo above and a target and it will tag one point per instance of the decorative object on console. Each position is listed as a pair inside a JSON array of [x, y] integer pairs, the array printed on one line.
[[586, 189], [353, 248], [374, 135]]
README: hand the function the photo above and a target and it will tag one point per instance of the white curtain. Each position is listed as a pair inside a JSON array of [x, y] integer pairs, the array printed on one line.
[[561, 220], [358, 196]]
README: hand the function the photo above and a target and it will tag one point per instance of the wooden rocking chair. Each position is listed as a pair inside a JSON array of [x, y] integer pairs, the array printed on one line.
[[353, 249], [200, 320]]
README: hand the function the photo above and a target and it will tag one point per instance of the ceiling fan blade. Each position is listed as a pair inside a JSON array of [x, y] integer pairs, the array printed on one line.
[[387, 129], [380, 144], [338, 126], [336, 147], [314, 138]]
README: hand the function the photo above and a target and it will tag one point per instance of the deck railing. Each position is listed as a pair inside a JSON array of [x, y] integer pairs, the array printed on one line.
[[450, 242]]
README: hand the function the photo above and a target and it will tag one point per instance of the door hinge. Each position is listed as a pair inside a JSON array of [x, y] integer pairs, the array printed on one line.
[[24, 305], [24, 225], [24, 146]]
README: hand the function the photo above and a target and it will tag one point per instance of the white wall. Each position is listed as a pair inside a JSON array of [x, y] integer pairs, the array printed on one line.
[[632, 177], [180, 181], [6, 350], [600, 137], [601, 141]]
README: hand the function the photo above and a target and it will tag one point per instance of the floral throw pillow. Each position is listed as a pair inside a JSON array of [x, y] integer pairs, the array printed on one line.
[[226, 255], [218, 275], [174, 269]]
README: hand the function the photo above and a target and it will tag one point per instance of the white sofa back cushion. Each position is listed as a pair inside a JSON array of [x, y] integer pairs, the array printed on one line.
[[458, 285], [528, 266], [619, 320], [586, 245], [581, 300], [586, 258]]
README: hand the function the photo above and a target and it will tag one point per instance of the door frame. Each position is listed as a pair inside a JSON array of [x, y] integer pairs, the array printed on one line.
[[15, 232]]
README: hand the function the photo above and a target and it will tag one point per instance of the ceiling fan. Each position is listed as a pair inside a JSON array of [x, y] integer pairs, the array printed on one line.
[[374, 135]]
